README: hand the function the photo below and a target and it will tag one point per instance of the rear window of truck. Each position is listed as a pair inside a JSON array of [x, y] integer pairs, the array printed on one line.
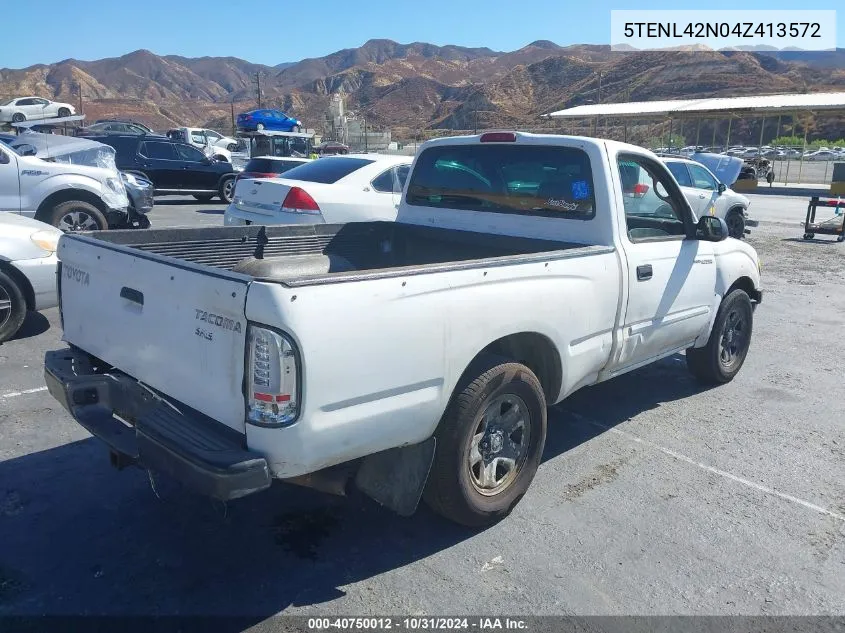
[[326, 170], [521, 179]]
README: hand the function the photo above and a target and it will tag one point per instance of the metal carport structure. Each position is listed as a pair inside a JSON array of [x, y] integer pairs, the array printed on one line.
[[713, 108], [717, 108]]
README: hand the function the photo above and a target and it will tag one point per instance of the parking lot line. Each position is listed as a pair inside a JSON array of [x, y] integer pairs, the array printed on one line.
[[711, 469], [13, 394]]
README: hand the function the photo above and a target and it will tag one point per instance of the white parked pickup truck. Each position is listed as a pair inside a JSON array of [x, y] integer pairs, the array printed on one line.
[[414, 358]]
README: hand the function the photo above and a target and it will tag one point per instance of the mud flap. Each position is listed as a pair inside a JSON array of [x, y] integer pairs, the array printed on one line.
[[396, 478]]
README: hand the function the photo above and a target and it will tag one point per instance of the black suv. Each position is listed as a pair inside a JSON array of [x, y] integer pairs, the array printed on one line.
[[172, 166]]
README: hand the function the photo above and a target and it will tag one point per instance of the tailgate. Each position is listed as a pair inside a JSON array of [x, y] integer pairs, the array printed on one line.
[[260, 196], [176, 326]]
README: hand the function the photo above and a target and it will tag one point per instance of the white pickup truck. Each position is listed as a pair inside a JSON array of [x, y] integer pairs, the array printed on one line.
[[71, 183], [414, 358]]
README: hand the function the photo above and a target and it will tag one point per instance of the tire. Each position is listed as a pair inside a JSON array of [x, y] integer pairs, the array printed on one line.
[[468, 484], [714, 364], [736, 224], [259, 126], [204, 197], [296, 128], [63, 112], [232, 147], [12, 307], [18, 117], [76, 215], [227, 189]]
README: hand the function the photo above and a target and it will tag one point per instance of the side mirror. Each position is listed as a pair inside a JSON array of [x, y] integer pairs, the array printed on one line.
[[711, 229], [722, 187]]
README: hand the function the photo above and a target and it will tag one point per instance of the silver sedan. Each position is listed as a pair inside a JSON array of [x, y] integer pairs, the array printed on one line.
[[27, 269]]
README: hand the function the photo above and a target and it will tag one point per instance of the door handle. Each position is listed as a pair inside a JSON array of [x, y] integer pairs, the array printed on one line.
[[644, 272], [130, 294]]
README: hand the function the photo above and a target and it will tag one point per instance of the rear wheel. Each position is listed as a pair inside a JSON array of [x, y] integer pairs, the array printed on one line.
[[63, 112], [489, 444], [721, 359], [76, 215], [227, 190], [18, 117], [203, 197], [296, 128], [12, 307], [736, 224], [259, 126]]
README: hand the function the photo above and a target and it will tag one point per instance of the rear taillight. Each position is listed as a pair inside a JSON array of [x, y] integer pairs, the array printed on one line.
[[299, 201], [272, 378], [637, 191], [498, 137]]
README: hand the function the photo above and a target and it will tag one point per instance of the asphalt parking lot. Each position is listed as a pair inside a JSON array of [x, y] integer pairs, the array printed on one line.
[[655, 496]]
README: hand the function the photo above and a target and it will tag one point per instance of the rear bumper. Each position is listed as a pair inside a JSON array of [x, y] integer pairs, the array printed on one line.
[[236, 216], [158, 435]]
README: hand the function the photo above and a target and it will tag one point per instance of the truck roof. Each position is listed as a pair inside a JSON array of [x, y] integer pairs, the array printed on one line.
[[539, 139]]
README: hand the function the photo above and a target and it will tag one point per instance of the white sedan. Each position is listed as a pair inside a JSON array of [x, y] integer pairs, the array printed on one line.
[[27, 269], [331, 190], [33, 109]]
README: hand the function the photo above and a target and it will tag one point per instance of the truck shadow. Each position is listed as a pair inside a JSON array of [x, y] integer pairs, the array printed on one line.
[[589, 412], [79, 538], [34, 324]]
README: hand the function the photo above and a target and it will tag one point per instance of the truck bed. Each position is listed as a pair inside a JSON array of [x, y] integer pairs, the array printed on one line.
[[298, 255]]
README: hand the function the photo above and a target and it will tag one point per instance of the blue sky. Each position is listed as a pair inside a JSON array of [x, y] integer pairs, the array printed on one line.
[[275, 31]]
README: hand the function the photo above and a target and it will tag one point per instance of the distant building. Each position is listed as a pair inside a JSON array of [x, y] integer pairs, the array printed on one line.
[[348, 128]]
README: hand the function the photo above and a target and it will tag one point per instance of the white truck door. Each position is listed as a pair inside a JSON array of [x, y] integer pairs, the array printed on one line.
[[671, 277], [10, 198]]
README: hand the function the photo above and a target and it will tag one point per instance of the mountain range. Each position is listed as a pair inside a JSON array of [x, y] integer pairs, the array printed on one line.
[[417, 87]]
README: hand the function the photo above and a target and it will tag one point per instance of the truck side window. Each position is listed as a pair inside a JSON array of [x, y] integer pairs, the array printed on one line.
[[702, 178], [679, 171], [653, 204]]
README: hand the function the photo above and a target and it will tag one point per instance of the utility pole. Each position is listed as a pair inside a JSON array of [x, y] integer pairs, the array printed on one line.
[[600, 73], [258, 84], [475, 114], [366, 141], [79, 94], [234, 129]]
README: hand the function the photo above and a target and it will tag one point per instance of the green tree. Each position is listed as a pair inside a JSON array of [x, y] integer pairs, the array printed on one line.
[[678, 141]]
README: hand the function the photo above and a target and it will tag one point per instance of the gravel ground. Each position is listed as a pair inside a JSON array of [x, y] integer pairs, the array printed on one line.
[[655, 496]]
